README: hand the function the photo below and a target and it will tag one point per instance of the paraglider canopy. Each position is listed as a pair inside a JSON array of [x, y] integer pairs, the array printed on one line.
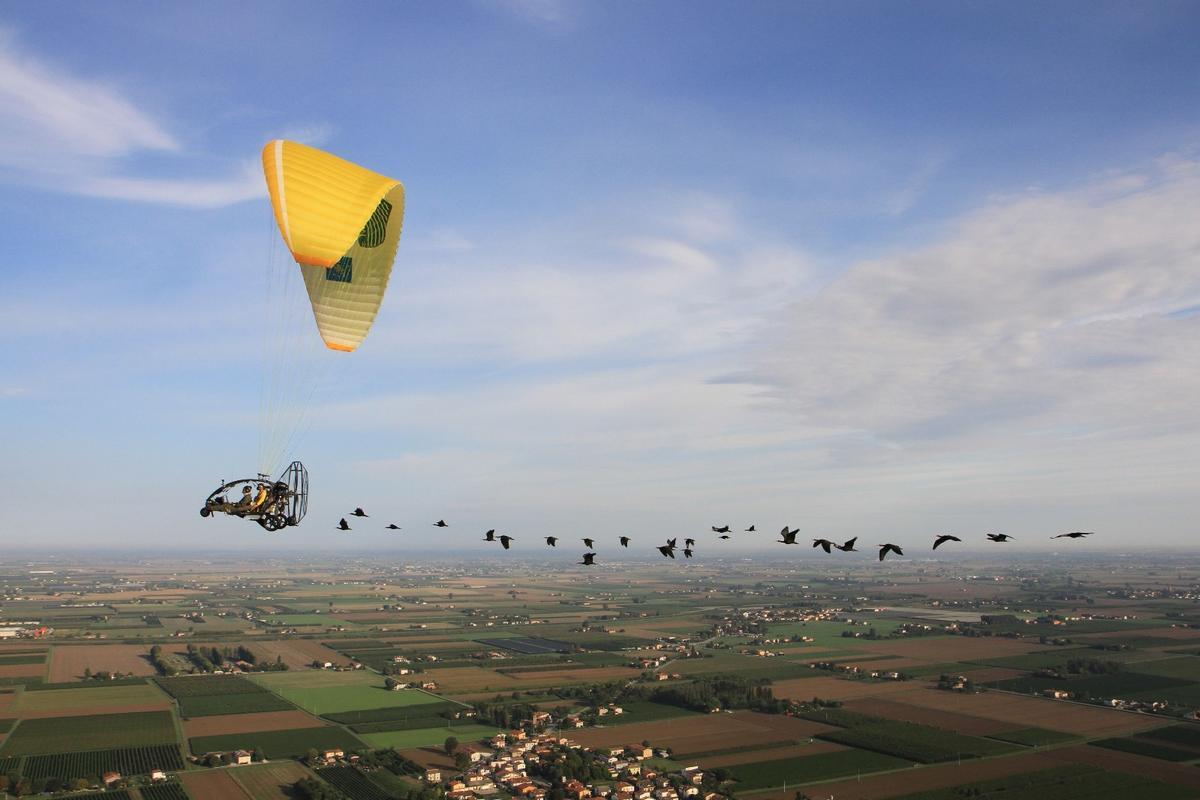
[[342, 224]]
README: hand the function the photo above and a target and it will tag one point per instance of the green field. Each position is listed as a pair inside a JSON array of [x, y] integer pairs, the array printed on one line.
[[94, 732], [914, 742], [1182, 735], [1120, 684], [304, 620], [1035, 737], [94, 763], [30, 658], [1076, 782], [820, 767], [394, 713], [1145, 747], [322, 692], [280, 744], [98, 699], [207, 706], [205, 685], [424, 737], [164, 791], [1187, 667]]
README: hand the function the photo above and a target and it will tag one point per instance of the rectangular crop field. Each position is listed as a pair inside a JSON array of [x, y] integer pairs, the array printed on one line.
[[279, 744], [353, 783], [207, 685], [94, 763], [213, 784], [270, 781], [1143, 747], [645, 711], [425, 737], [64, 734], [529, 645], [211, 705], [819, 767], [1034, 737], [329, 692], [437, 710], [1060, 782], [99, 699], [922, 743], [164, 791], [241, 723]]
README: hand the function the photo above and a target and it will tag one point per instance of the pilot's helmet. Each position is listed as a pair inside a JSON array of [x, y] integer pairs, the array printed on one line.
[[245, 490]]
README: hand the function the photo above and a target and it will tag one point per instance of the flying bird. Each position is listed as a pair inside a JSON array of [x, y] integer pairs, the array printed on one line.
[[848, 547], [588, 559], [393, 526], [441, 523], [689, 542], [551, 540], [945, 537], [588, 544], [671, 543], [490, 536], [750, 529], [722, 529], [504, 541], [824, 544], [358, 512], [884, 549], [999, 537], [723, 536], [667, 551], [789, 537], [687, 552], [624, 541], [1073, 535], [343, 525]]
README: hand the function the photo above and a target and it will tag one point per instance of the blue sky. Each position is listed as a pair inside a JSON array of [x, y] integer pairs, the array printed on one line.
[[864, 268]]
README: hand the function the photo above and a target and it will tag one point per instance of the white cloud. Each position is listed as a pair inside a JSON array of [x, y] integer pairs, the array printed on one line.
[[1039, 317], [76, 135]]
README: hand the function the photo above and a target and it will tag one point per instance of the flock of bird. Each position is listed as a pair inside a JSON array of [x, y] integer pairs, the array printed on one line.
[[786, 536]]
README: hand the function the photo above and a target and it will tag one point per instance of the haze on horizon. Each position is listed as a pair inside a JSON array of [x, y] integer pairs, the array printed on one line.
[[865, 270]]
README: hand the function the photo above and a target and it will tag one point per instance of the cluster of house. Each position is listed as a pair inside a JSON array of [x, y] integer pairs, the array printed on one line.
[[504, 763], [850, 669], [1112, 702], [396, 684]]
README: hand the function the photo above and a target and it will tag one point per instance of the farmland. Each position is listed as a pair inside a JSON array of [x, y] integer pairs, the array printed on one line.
[[64, 734], [290, 743], [478, 643]]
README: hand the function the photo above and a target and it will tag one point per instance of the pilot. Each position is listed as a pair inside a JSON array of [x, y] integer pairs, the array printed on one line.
[[246, 502], [260, 498]]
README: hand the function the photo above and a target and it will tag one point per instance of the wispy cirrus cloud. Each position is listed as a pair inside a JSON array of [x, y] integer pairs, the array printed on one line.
[[77, 135]]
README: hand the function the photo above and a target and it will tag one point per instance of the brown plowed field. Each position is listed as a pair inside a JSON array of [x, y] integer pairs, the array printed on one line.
[[6, 702], [249, 723], [270, 781], [582, 675], [429, 757], [22, 670], [296, 653], [768, 754], [1165, 771], [471, 679], [1027, 712], [700, 734], [67, 662], [945, 649], [216, 784], [961, 723], [835, 688], [923, 779]]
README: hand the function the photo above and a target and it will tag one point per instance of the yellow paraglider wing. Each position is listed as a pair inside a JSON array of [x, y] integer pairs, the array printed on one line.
[[342, 224]]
